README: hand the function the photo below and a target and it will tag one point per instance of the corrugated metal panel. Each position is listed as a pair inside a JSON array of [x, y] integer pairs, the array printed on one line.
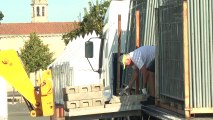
[[62, 77], [147, 23], [200, 38], [200, 54], [171, 88]]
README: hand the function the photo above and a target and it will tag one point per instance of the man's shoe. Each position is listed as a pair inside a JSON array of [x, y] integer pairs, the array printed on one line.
[[144, 91]]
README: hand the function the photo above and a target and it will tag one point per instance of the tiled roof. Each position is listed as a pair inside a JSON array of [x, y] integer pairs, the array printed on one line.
[[39, 28]]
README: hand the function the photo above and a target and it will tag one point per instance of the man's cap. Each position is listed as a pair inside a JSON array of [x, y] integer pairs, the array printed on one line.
[[122, 60]]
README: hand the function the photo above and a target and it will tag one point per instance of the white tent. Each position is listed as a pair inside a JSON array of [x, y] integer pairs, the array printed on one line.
[[72, 68], [74, 54]]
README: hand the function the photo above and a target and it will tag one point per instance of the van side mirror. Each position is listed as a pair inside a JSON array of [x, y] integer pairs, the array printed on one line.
[[89, 49]]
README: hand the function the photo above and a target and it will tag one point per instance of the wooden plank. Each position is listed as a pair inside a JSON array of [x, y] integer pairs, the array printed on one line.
[[106, 116], [127, 99], [115, 99], [83, 96], [186, 60], [108, 108], [201, 110], [137, 42], [118, 55]]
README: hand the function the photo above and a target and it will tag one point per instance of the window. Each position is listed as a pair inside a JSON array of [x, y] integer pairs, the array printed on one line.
[[33, 12], [38, 11], [43, 9]]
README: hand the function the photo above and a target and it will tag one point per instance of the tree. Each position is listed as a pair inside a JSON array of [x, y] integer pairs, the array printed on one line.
[[1, 16], [35, 55], [92, 20]]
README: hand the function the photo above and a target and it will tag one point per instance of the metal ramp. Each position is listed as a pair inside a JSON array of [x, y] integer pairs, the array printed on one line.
[[160, 113]]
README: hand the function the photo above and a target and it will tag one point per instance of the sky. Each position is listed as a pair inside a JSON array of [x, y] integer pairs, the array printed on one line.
[[19, 11]]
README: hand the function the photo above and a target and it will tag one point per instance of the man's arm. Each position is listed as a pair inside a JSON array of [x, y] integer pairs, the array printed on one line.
[[134, 77], [145, 73]]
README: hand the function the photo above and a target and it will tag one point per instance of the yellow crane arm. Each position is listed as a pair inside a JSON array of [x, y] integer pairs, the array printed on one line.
[[12, 70]]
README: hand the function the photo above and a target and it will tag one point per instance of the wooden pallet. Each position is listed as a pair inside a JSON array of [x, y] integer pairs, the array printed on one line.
[[116, 105]]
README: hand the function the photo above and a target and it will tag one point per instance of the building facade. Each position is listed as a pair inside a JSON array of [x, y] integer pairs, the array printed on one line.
[[14, 35], [39, 11]]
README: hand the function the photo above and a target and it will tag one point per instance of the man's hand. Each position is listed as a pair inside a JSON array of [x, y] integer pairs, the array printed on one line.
[[130, 90], [124, 91]]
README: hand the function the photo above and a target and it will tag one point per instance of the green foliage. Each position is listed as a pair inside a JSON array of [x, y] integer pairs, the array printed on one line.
[[1, 16], [35, 55], [92, 20]]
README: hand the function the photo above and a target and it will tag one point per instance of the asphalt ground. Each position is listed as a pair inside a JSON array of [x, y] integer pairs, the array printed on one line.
[[19, 111]]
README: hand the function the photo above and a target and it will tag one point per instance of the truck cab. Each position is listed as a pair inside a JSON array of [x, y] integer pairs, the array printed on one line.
[[109, 44]]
